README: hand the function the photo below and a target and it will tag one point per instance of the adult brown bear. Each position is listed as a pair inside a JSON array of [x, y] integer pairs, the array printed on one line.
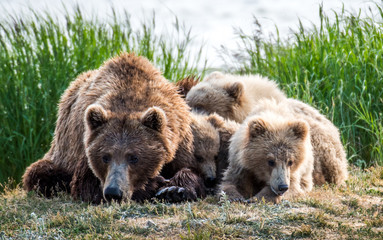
[[120, 130]]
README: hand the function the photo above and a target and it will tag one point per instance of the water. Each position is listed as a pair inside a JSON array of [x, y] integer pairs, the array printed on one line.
[[212, 21]]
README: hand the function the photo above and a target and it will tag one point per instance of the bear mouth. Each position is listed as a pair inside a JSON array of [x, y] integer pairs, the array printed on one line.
[[276, 193]]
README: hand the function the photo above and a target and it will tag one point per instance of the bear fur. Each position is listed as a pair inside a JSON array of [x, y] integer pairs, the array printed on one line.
[[274, 124], [270, 156], [121, 130], [233, 97], [330, 161], [206, 148], [184, 85], [226, 129]]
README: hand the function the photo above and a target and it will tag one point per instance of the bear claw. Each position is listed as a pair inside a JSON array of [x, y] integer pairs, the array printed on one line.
[[176, 194]]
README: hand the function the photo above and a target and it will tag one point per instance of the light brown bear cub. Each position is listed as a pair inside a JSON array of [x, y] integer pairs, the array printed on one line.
[[233, 97], [274, 119], [270, 156], [330, 162], [119, 128]]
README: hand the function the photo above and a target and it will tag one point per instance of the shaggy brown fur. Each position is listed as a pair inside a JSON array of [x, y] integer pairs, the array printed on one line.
[[118, 128], [330, 162], [270, 156], [186, 84], [185, 185], [225, 129], [206, 148], [230, 96]]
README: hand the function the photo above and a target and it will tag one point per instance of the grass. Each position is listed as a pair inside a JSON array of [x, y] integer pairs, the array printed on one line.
[[353, 211], [335, 66], [40, 55]]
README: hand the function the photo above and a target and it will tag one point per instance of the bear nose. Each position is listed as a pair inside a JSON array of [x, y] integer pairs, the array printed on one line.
[[113, 193], [283, 188], [210, 182]]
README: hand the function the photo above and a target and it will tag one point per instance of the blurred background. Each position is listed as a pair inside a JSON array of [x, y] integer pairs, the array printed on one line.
[[213, 22]]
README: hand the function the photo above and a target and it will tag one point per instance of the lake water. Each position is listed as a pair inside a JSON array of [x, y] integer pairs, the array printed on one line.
[[212, 21]]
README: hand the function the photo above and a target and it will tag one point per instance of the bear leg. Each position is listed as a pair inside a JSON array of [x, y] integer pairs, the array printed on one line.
[[85, 185], [268, 195], [231, 192], [150, 189], [46, 178], [185, 185]]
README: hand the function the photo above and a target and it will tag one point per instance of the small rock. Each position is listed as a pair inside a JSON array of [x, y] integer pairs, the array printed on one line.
[[150, 224]]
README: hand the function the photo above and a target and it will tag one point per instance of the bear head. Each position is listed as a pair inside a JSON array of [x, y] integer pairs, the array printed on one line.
[[206, 148], [274, 149], [221, 97], [125, 150]]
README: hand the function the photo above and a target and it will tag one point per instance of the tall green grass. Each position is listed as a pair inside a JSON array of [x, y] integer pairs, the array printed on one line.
[[336, 66], [40, 55]]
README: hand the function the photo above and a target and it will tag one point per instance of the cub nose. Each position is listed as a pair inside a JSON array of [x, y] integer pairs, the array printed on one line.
[[210, 182], [283, 188], [113, 193]]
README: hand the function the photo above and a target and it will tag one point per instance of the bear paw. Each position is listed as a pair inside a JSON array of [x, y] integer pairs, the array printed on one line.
[[176, 194]]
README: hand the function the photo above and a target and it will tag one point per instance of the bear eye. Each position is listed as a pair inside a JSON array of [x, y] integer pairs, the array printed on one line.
[[106, 158], [132, 159], [199, 158], [198, 108], [290, 163], [271, 163], [216, 157]]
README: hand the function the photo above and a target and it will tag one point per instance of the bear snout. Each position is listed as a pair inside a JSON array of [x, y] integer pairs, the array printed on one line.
[[282, 188], [113, 193], [210, 182]]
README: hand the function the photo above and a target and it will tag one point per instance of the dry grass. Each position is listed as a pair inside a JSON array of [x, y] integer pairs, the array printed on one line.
[[328, 212]]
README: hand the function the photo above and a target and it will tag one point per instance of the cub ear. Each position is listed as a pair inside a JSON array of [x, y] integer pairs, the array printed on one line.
[[234, 90], [300, 129], [95, 116], [257, 127], [214, 75], [154, 118], [216, 120], [186, 84]]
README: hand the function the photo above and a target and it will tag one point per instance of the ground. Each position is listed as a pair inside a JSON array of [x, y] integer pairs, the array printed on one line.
[[355, 211]]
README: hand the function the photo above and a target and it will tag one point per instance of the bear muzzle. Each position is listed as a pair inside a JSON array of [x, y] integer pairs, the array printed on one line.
[[113, 193], [116, 186]]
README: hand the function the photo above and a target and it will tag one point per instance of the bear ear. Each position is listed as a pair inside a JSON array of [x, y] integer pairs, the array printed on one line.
[[154, 118], [186, 84], [95, 116], [257, 127], [213, 76], [300, 129], [234, 90], [216, 120]]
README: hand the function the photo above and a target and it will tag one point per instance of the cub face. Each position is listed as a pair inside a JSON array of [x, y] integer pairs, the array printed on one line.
[[275, 151], [208, 98], [124, 151], [206, 148]]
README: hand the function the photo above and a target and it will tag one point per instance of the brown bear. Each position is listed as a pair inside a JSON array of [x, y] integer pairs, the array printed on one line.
[[226, 129], [206, 147], [270, 156], [233, 97], [120, 131], [329, 158], [330, 162]]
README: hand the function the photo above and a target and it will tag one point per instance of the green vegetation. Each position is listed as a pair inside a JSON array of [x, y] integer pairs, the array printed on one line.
[[39, 56], [336, 67]]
